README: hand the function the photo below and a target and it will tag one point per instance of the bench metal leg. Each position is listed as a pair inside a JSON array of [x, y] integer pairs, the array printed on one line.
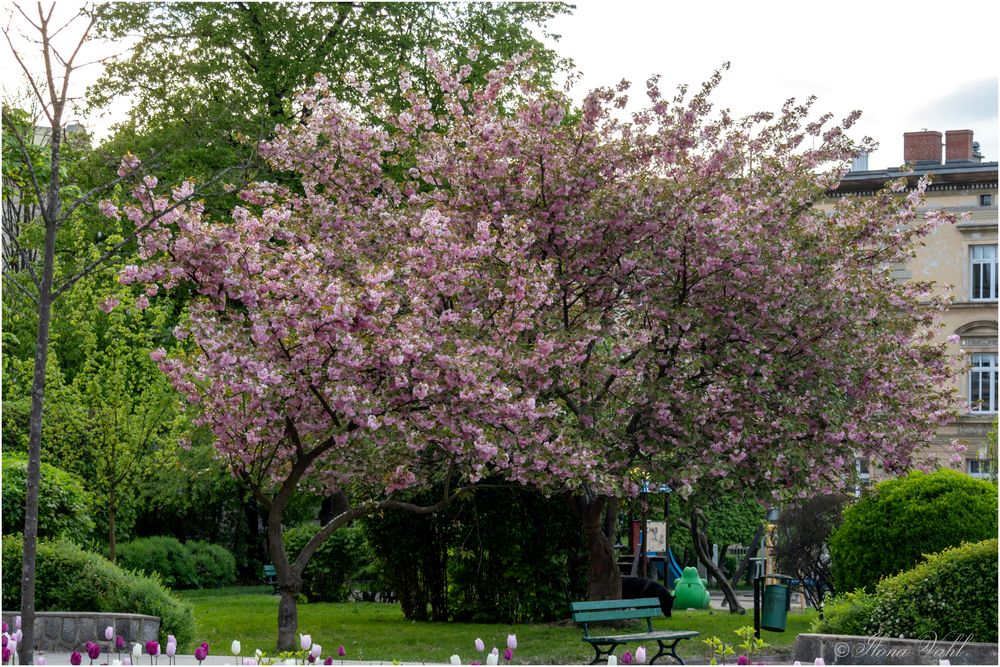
[[667, 650], [602, 655]]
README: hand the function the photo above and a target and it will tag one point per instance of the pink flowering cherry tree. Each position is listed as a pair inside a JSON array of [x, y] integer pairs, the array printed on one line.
[[556, 295]]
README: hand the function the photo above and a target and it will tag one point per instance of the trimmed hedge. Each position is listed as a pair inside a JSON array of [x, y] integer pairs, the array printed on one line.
[[891, 529], [64, 506], [952, 594], [328, 575], [192, 565], [67, 578]]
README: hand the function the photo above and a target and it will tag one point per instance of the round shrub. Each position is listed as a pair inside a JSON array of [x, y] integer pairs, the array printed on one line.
[[165, 556], [328, 575], [68, 578], [951, 594], [64, 506], [846, 614], [891, 529], [214, 566]]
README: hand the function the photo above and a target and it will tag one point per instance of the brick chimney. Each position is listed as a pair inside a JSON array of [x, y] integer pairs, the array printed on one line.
[[922, 147], [958, 146]]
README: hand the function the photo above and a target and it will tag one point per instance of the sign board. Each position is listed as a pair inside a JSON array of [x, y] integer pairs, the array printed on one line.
[[657, 536]]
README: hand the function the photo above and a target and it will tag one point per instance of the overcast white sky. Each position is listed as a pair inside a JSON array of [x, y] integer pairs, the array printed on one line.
[[906, 65]]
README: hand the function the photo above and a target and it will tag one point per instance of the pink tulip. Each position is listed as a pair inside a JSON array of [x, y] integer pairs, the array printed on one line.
[[17, 622], [640, 655], [507, 654], [75, 658], [152, 648], [512, 642], [3, 640], [119, 642], [171, 649], [328, 661], [94, 651], [480, 646], [109, 633], [7, 654], [39, 659], [626, 658], [305, 641], [742, 660], [340, 651], [200, 653], [4, 627]]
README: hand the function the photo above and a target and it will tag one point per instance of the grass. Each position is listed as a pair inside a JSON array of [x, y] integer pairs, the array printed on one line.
[[378, 632]]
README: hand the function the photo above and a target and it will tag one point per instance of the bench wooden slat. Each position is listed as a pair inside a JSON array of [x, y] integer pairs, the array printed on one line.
[[641, 636], [622, 615], [610, 605]]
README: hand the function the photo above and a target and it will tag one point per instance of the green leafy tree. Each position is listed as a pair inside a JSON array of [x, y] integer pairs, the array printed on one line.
[[209, 79], [65, 506]]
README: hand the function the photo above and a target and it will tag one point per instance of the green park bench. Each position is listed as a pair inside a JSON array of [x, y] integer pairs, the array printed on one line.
[[271, 577], [627, 610]]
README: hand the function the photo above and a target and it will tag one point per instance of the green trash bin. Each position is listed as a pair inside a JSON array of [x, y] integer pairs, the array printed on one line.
[[774, 616]]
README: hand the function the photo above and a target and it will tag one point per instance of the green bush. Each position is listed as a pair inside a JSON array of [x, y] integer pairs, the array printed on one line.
[[330, 571], [68, 578], [846, 614], [214, 566], [165, 556], [890, 530], [64, 507], [951, 594]]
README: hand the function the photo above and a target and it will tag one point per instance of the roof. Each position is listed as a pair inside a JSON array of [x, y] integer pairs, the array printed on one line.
[[943, 177]]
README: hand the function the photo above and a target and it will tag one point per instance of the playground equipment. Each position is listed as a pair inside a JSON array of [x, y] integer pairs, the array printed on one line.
[[690, 591]]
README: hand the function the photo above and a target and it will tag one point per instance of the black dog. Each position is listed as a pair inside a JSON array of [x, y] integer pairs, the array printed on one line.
[[640, 587]]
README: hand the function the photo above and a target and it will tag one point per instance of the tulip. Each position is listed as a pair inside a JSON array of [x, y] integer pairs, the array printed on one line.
[[171, 649], [507, 654], [742, 660], [75, 658], [116, 663], [119, 642], [205, 646], [316, 651], [491, 659], [17, 623], [340, 651], [18, 636], [612, 661], [480, 646], [93, 652], [235, 648], [171, 639], [455, 660], [200, 653], [3, 640], [152, 648], [819, 661], [4, 627], [328, 661], [640, 655], [7, 653], [305, 641], [40, 660], [12, 645], [311, 658], [626, 658], [512, 642], [137, 650], [109, 633], [495, 651]]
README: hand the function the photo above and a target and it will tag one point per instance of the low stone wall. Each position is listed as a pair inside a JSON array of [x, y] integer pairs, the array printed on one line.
[[852, 650], [71, 630]]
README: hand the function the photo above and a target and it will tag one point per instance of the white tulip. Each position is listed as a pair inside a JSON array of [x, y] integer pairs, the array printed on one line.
[[137, 650], [512, 642], [235, 648], [491, 659], [455, 660], [316, 651], [612, 661], [305, 642]]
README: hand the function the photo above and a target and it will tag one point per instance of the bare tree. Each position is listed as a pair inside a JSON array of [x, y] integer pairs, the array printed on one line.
[[30, 272]]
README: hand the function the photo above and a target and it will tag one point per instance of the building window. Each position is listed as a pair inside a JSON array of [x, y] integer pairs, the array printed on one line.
[[863, 470], [983, 382], [979, 468], [984, 272], [986, 200]]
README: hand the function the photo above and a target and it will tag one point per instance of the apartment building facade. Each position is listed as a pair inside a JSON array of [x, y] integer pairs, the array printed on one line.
[[961, 260]]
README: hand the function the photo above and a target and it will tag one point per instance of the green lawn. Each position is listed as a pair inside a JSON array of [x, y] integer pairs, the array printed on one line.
[[372, 631]]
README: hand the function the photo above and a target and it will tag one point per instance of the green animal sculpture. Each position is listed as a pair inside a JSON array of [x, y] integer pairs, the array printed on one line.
[[689, 591]]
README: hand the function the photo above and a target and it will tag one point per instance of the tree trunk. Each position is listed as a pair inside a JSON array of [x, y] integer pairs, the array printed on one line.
[[752, 550], [112, 538], [604, 581], [34, 473], [611, 520], [289, 582], [701, 547]]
